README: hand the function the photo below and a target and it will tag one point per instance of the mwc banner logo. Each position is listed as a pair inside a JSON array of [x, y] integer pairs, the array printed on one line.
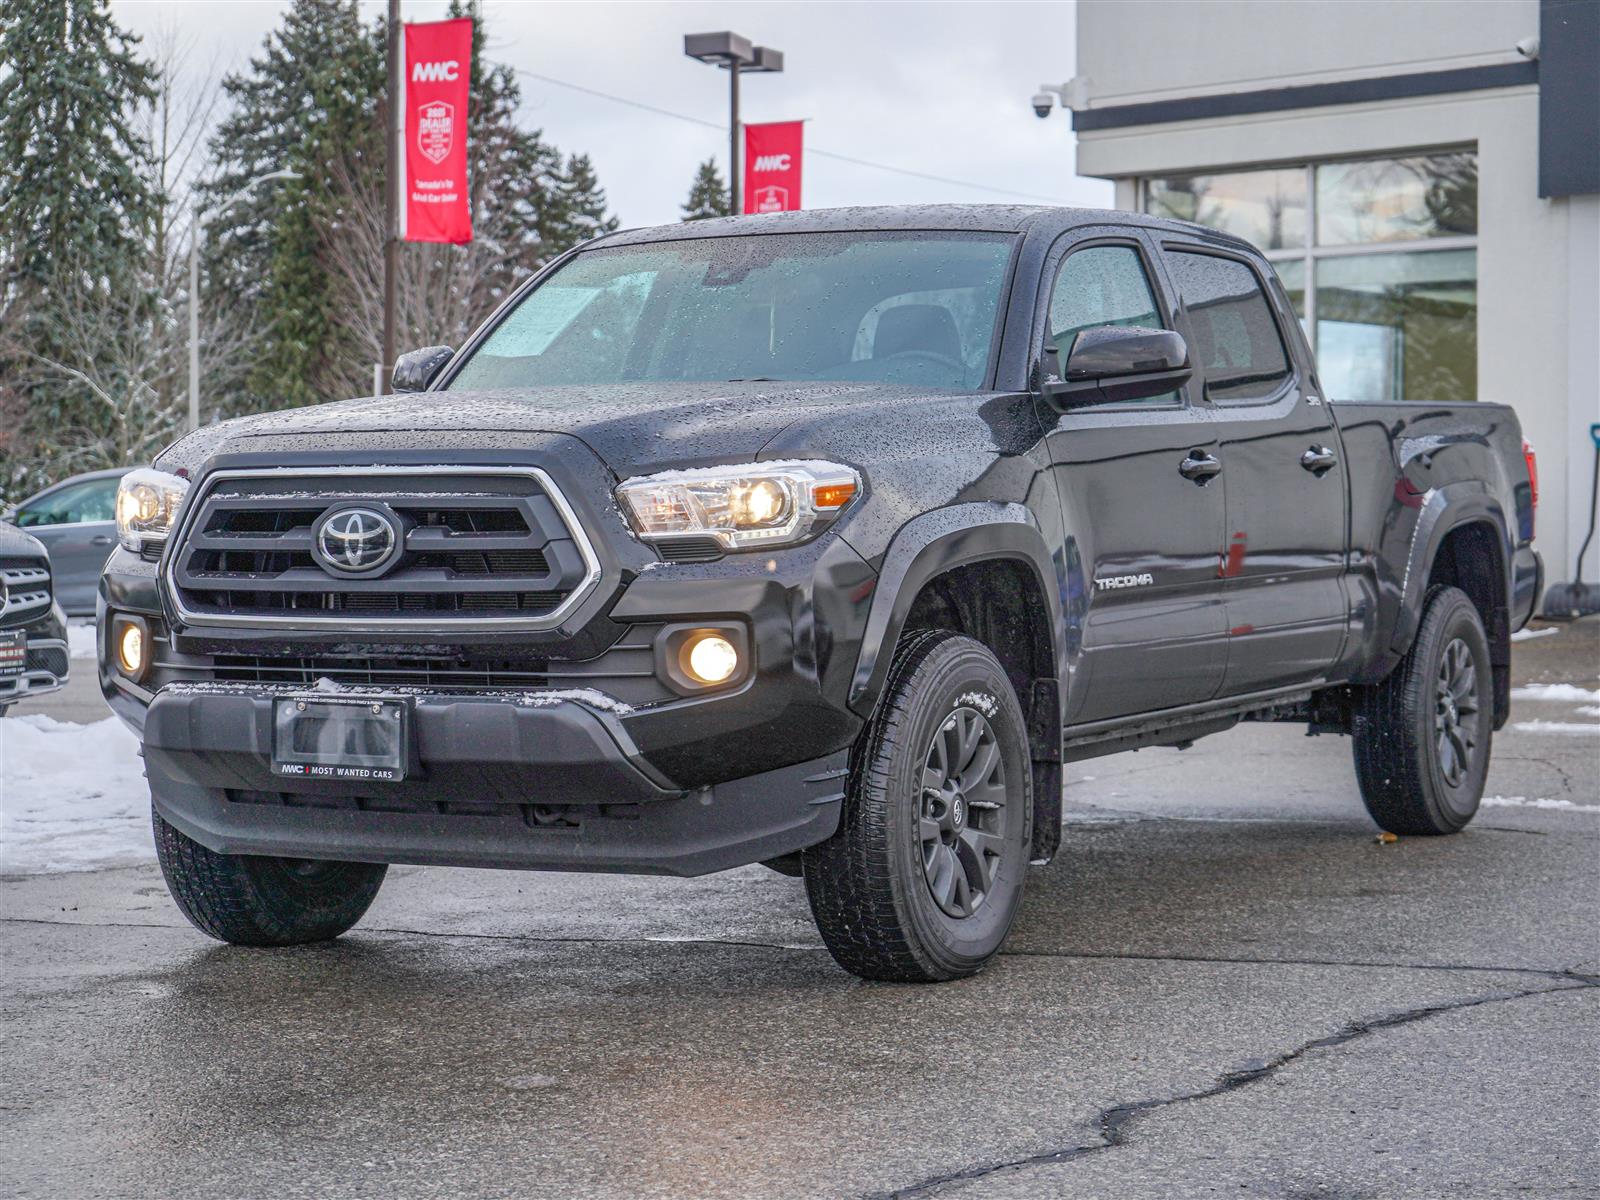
[[436, 72], [772, 158], [435, 205]]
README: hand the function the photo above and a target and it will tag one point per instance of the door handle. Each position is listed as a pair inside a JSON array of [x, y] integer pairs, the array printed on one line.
[[100, 539], [1319, 460], [1200, 467]]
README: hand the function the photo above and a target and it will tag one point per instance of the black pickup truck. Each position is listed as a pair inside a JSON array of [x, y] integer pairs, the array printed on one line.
[[820, 540]]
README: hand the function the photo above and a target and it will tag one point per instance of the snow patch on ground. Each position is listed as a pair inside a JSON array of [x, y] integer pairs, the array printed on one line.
[[1523, 635], [81, 640], [72, 797], [1538, 802], [1579, 728], [1554, 691]]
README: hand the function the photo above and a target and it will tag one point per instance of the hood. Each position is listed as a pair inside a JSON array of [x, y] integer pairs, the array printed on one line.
[[14, 543], [634, 428]]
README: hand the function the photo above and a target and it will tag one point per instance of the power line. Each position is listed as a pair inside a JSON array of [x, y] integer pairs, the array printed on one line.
[[860, 162]]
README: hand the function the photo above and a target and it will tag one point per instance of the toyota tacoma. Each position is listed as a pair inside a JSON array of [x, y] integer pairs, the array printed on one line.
[[820, 540]]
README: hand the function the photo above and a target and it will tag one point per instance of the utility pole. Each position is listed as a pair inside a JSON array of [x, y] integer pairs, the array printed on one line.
[[391, 238]]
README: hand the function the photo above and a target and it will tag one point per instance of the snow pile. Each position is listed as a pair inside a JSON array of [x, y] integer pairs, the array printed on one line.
[[81, 640], [1576, 728], [1555, 692], [72, 797]]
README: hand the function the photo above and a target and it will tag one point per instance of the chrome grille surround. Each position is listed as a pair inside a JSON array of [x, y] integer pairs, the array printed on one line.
[[330, 486]]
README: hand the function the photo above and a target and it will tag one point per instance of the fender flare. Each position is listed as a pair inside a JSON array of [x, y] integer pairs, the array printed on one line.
[[928, 546], [1445, 510]]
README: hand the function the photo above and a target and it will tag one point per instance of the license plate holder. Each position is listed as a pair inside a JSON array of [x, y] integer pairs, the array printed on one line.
[[342, 738], [13, 653]]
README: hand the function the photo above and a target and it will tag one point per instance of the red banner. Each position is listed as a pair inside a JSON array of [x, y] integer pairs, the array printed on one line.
[[772, 167], [436, 70]]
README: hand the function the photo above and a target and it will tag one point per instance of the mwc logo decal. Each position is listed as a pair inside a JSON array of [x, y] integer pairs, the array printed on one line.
[[436, 72], [772, 164]]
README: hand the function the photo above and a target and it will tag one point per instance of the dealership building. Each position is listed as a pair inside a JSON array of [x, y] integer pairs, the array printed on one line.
[[1424, 177]]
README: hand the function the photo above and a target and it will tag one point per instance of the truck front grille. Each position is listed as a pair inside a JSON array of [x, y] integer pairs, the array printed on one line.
[[479, 545], [24, 590]]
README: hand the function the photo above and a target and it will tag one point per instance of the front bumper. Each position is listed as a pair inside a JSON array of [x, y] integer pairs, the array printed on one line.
[[48, 662], [560, 786], [512, 777]]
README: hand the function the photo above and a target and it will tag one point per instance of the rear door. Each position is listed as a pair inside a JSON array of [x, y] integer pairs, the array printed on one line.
[[1282, 479], [76, 522], [1145, 537]]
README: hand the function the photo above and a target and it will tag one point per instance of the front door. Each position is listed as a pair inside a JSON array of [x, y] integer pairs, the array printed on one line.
[[1147, 525], [1283, 479]]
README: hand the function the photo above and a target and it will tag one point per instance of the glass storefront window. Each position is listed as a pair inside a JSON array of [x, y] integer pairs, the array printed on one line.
[[1292, 273], [1267, 208], [1397, 199], [1399, 326]]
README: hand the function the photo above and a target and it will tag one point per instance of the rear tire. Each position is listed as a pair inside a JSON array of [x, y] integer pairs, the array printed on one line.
[[1422, 736], [258, 901], [924, 877]]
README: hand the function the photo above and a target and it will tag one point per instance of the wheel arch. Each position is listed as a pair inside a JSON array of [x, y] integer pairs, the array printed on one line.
[[983, 570], [1463, 540]]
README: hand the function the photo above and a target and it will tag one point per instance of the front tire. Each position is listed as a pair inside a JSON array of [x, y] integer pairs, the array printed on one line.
[[924, 877], [257, 901], [1422, 736]]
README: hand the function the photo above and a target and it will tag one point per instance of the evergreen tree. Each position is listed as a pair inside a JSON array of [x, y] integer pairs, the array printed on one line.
[[576, 208], [709, 196], [71, 187], [308, 104], [76, 212]]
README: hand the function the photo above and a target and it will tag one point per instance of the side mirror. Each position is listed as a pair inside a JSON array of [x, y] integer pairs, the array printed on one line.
[[415, 371], [1118, 362]]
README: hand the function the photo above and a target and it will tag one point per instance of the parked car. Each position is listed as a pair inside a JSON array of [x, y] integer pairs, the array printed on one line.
[[820, 540], [34, 658], [76, 521]]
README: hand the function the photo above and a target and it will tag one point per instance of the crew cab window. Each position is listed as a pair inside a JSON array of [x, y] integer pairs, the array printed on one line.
[[91, 500], [1103, 285], [1236, 336], [901, 308]]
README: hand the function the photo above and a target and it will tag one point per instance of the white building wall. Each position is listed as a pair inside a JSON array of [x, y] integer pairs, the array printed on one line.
[[1538, 260], [1130, 51]]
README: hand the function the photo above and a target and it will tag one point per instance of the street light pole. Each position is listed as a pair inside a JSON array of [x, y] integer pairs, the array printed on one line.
[[195, 236], [735, 55], [735, 188]]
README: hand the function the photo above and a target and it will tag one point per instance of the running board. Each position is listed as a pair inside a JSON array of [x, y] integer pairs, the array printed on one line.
[[1171, 726]]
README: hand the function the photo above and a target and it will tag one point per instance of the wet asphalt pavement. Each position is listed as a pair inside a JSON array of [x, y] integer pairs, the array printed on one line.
[[1223, 986]]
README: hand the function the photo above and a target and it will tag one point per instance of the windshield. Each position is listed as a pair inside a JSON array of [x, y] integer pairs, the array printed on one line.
[[911, 308]]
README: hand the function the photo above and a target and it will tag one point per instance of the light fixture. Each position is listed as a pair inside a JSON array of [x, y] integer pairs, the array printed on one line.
[[710, 659], [130, 641]]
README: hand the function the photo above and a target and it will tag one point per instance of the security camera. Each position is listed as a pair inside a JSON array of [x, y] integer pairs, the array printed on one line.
[[1528, 47], [1043, 102]]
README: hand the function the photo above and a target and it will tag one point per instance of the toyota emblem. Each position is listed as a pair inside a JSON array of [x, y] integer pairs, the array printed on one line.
[[356, 540]]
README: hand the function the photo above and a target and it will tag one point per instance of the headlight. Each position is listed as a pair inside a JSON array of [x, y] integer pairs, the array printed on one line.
[[763, 504], [147, 502]]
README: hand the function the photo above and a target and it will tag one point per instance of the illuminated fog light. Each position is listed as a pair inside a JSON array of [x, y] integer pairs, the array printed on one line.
[[130, 648], [711, 658]]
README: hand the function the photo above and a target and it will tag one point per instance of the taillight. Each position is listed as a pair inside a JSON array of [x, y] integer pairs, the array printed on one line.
[[1532, 460]]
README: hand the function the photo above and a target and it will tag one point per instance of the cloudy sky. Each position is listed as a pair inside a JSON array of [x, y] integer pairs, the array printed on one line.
[[936, 88]]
